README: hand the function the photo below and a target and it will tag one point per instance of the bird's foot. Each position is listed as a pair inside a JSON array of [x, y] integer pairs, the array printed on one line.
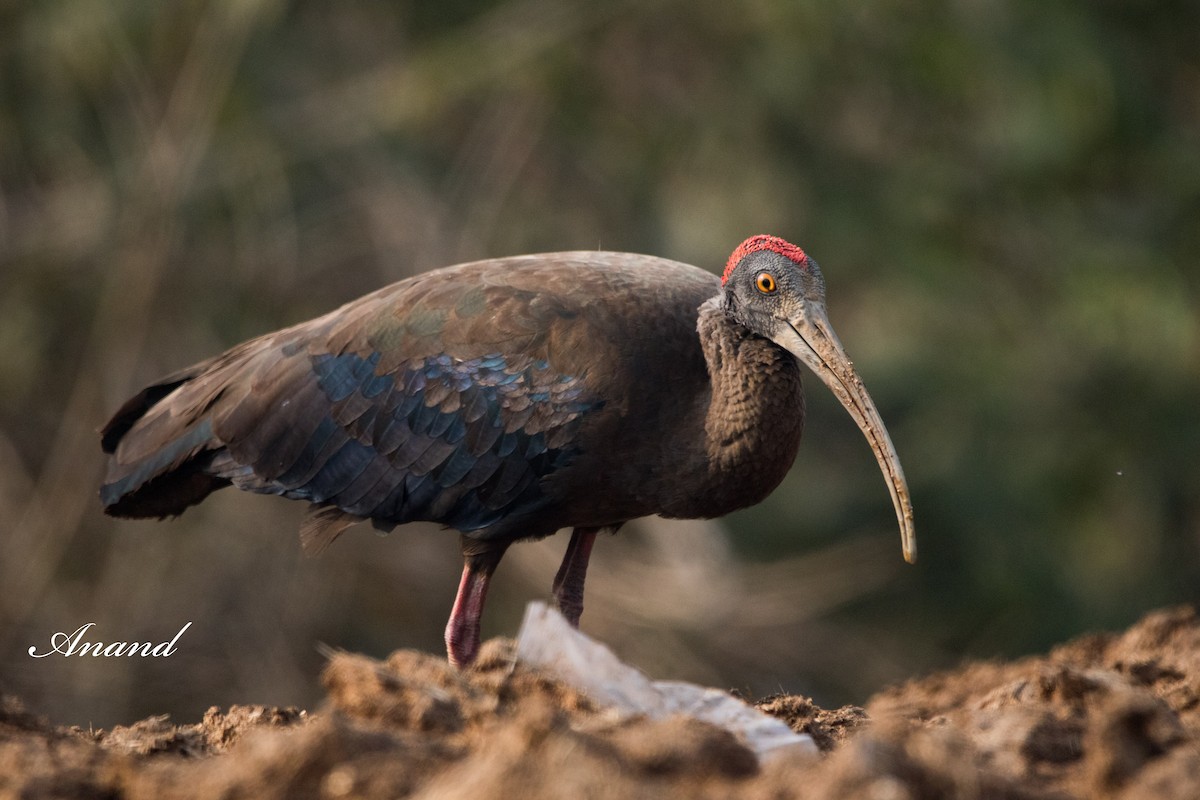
[[462, 644], [571, 607]]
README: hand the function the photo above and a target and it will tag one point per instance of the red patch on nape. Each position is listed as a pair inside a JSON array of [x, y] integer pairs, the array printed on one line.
[[763, 242]]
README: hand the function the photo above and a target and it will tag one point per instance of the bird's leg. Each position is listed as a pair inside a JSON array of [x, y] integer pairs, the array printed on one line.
[[568, 583], [462, 631]]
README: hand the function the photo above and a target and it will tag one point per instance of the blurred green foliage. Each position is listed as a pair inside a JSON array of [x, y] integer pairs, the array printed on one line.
[[1004, 195]]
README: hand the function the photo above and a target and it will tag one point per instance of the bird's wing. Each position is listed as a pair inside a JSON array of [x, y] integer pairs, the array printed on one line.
[[459, 441], [429, 400]]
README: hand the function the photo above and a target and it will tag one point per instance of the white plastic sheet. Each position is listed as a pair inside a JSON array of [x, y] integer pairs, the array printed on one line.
[[547, 641]]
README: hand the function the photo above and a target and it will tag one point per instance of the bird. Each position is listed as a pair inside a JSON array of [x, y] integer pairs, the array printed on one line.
[[509, 399]]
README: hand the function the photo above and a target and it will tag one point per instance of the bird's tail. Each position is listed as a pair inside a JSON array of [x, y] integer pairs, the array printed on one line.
[[161, 442]]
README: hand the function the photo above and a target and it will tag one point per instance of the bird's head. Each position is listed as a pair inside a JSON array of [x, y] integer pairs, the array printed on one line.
[[775, 290]]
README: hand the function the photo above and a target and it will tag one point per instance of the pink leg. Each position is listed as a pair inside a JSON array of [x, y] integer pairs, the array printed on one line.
[[462, 631], [568, 583]]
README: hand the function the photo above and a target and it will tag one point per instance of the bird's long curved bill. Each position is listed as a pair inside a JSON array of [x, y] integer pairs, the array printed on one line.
[[811, 339]]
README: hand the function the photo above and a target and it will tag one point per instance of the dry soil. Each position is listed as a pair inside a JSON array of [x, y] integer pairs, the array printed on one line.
[[1104, 716]]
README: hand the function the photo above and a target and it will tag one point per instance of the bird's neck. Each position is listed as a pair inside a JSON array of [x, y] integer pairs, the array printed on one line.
[[755, 411]]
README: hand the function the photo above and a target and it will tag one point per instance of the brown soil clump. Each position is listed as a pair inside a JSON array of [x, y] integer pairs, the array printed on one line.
[[1105, 716]]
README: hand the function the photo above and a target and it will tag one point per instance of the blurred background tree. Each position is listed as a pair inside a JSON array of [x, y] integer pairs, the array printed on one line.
[[1004, 194]]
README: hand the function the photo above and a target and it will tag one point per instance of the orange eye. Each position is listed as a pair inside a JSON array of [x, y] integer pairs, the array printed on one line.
[[765, 282]]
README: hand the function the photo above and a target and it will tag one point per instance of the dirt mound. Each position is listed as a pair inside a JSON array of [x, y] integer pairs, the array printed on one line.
[[1104, 716]]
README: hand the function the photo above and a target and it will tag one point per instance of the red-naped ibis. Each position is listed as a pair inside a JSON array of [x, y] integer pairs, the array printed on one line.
[[509, 399]]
